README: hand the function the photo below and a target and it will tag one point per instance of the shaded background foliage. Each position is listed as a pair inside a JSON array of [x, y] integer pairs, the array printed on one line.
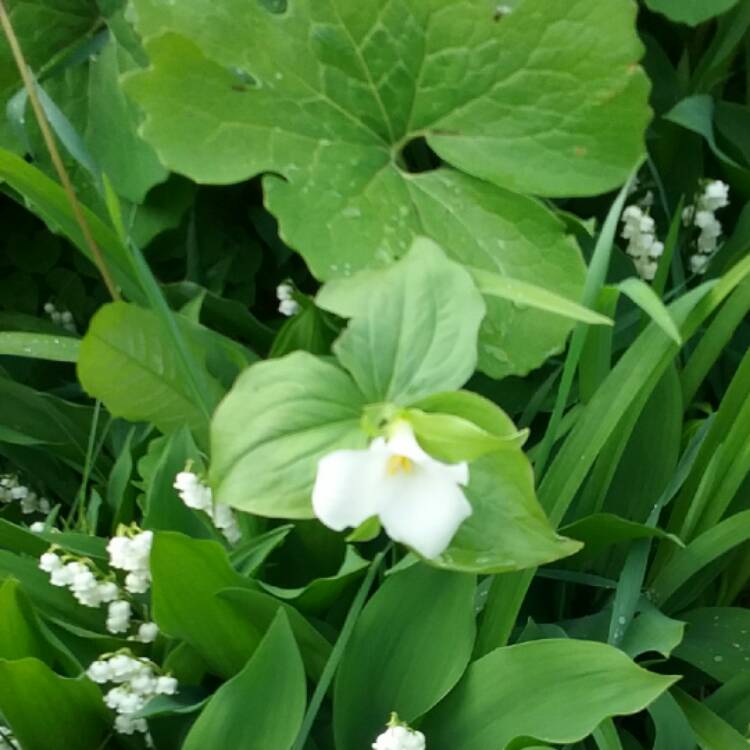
[[648, 426]]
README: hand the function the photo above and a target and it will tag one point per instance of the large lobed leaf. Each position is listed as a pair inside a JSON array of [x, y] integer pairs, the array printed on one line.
[[325, 95]]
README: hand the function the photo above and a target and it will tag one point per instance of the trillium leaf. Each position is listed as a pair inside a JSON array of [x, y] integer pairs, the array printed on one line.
[[269, 432], [578, 685], [418, 331], [406, 668], [507, 529], [463, 426], [326, 95]]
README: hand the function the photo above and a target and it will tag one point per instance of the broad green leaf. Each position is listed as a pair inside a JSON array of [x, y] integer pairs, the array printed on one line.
[[19, 631], [45, 710], [372, 78], [53, 602], [17, 539], [187, 576], [268, 433], [127, 361], [46, 418], [652, 631], [23, 634], [310, 330], [261, 708], [691, 12], [452, 439], [732, 701], [556, 691], [39, 346], [717, 641], [645, 297], [712, 731], [198, 597], [186, 701], [249, 555], [696, 113], [462, 97], [672, 728], [507, 529], [417, 333], [462, 426], [322, 593], [509, 236], [128, 161], [397, 658], [259, 610]]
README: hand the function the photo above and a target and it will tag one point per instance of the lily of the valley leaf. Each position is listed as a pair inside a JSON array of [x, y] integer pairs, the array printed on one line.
[[418, 500]]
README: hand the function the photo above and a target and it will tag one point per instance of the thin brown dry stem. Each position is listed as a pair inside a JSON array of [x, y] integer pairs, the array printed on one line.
[[49, 140]]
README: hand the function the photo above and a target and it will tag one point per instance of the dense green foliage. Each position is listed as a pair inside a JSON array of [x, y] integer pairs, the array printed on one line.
[[300, 230]]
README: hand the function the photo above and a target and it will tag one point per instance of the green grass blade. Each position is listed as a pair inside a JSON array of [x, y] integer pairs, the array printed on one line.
[[645, 297], [530, 295], [61, 348], [717, 336], [702, 551], [712, 731], [595, 278]]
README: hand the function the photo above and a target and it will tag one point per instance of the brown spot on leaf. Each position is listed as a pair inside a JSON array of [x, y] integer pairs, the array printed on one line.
[[580, 150]]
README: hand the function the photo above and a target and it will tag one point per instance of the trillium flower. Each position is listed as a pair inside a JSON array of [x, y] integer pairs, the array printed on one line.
[[418, 500]]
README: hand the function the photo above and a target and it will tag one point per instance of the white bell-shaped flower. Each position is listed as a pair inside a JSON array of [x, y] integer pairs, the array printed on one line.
[[418, 500], [400, 738]]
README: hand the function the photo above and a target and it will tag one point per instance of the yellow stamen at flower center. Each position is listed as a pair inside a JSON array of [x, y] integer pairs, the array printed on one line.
[[399, 463]]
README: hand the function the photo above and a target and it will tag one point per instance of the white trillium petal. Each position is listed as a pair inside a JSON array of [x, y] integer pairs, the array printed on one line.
[[404, 443], [422, 510], [418, 500], [342, 495]]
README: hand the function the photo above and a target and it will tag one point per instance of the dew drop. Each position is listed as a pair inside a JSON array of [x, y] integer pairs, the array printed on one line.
[[622, 620], [718, 658]]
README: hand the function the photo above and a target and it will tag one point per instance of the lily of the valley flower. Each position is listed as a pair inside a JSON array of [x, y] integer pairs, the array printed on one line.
[[418, 500], [399, 736]]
